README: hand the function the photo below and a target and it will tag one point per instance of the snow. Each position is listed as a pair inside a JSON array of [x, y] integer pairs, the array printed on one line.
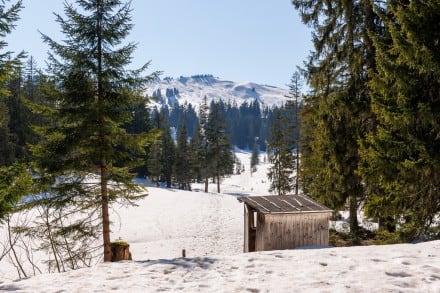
[[194, 89], [394, 268], [209, 226], [168, 221]]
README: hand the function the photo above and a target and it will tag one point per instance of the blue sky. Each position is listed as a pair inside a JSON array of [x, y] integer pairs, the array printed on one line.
[[242, 40]]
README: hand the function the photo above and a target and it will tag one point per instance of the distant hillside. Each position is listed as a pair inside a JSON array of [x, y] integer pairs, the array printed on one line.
[[193, 89]]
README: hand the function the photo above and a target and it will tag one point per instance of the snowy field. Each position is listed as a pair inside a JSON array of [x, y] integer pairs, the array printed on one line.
[[209, 226], [393, 268]]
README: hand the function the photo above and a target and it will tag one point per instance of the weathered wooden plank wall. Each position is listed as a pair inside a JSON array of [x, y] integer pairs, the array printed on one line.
[[288, 231]]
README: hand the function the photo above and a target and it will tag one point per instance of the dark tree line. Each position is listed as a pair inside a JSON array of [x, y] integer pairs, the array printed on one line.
[[246, 126], [245, 122], [180, 158]]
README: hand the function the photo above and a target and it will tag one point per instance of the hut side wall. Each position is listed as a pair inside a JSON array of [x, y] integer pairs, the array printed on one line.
[[246, 229], [288, 231], [249, 231]]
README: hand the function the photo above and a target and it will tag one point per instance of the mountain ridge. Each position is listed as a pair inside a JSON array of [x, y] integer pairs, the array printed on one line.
[[194, 88]]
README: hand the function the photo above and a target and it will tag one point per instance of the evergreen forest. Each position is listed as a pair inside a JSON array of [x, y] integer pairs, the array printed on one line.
[[370, 124]]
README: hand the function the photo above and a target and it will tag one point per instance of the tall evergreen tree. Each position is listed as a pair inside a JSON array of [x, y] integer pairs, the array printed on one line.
[[168, 156], [93, 91], [292, 124], [195, 155], [162, 153], [337, 72], [14, 179], [401, 158], [20, 126], [255, 157], [182, 166], [141, 123], [280, 156], [8, 62], [267, 120], [153, 162], [219, 155], [203, 149]]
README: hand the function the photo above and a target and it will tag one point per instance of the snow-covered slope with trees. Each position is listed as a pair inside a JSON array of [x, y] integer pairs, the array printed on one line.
[[193, 89], [209, 226]]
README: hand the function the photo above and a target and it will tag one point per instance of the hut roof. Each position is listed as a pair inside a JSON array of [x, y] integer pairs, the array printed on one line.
[[284, 204]]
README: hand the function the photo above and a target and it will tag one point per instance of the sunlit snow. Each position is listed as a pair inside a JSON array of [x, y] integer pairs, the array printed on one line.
[[209, 226]]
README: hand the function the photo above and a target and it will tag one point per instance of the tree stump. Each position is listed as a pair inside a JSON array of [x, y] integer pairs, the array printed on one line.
[[120, 251]]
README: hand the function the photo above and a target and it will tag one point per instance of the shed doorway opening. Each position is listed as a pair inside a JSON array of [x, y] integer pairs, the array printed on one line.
[[251, 229]]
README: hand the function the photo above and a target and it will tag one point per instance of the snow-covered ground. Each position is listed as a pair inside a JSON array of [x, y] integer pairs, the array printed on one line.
[[393, 268], [209, 227]]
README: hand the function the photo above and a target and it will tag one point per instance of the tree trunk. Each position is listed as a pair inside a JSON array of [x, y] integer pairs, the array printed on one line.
[[105, 214], [218, 183], [353, 221], [206, 184], [103, 167]]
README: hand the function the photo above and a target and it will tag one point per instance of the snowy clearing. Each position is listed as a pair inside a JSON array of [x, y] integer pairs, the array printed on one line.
[[209, 227], [393, 268]]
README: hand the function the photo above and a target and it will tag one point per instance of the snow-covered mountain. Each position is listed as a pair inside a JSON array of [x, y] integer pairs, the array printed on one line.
[[193, 89]]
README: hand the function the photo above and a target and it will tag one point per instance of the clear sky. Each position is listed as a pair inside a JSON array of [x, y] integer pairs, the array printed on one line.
[[241, 40]]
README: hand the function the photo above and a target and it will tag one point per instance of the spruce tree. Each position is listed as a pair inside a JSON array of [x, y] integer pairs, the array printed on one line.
[[401, 158], [206, 171], [14, 179], [168, 157], [93, 92], [338, 73], [20, 125], [8, 63], [141, 123], [219, 151], [280, 157], [153, 162], [182, 170], [255, 157], [292, 124], [195, 155], [167, 150]]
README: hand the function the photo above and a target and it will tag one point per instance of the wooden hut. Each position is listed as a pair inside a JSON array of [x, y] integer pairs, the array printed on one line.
[[284, 222]]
